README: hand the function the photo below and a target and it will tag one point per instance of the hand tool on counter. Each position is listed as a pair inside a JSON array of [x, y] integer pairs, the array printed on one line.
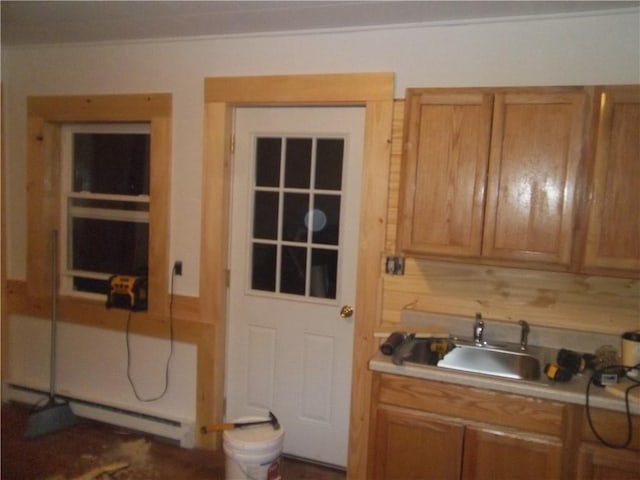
[[231, 425]]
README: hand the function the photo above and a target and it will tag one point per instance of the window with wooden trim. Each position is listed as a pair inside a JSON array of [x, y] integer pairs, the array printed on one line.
[[48, 197]]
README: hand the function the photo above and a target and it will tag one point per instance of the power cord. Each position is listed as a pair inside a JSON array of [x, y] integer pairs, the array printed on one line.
[[171, 338], [636, 384]]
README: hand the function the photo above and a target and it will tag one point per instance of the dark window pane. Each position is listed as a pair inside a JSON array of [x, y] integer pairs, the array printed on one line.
[[116, 163], [329, 155], [90, 285], [296, 206], [265, 215], [268, 162], [110, 246], [263, 274], [297, 173], [324, 271], [329, 205], [293, 270]]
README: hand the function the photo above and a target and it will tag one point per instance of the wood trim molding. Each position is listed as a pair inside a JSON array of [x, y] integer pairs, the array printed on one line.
[[186, 314], [222, 95], [349, 88], [4, 327], [100, 108]]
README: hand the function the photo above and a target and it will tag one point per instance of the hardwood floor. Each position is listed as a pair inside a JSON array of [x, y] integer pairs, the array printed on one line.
[[82, 451]]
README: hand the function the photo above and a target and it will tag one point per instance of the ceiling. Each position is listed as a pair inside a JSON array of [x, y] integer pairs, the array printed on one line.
[[43, 22]]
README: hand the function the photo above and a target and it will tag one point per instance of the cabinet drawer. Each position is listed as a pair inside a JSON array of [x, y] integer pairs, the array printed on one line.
[[612, 427], [525, 413]]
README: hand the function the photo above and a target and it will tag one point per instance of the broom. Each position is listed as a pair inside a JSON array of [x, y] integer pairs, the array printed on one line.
[[56, 414]]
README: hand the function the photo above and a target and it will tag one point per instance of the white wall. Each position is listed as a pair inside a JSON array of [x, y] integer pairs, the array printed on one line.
[[91, 365], [552, 51], [603, 49]]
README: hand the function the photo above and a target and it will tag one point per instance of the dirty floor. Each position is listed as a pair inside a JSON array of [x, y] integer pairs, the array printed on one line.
[[96, 451]]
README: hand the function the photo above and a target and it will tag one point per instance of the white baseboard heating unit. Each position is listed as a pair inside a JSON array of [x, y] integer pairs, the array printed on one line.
[[171, 428]]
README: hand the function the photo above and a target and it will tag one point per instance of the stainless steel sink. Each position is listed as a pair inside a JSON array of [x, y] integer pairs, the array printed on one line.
[[491, 361], [501, 361]]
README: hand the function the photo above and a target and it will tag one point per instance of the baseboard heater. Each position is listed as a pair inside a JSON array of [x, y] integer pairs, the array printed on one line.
[[182, 432]]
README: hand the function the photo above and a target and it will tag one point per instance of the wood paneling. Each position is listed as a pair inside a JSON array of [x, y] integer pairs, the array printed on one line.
[[553, 299]]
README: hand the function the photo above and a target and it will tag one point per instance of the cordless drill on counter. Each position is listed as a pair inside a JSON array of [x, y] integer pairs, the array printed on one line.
[[569, 363]]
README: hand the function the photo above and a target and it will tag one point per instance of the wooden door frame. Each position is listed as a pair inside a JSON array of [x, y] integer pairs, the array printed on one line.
[[374, 91]]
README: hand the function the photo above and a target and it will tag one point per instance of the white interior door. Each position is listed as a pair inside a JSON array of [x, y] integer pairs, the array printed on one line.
[[294, 237]]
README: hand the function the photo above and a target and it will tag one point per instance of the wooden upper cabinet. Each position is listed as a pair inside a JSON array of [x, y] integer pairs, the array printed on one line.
[[491, 174], [613, 232], [444, 167], [536, 147]]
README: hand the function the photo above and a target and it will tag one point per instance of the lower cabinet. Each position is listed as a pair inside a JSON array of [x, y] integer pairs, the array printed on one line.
[[491, 453], [599, 462], [413, 445], [596, 462], [424, 429], [416, 446]]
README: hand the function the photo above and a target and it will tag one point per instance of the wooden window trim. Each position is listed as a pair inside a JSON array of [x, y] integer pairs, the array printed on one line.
[[45, 116], [222, 95]]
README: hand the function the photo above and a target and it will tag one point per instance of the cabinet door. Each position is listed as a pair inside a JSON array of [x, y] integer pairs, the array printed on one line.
[[613, 238], [414, 446], [535, 153], [444, 172], [597, 462], [490, 455]]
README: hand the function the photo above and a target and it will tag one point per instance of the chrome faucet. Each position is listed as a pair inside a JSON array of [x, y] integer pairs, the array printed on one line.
[[524, 334], [478, 330]]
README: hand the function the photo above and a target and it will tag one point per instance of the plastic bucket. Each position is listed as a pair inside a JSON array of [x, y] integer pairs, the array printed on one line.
[[252, 453]]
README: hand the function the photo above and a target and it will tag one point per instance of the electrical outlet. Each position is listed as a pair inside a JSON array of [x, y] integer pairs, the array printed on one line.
[[177, 268]]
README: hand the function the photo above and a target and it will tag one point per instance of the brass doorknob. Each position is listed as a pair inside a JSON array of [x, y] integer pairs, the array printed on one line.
[[346, 311]]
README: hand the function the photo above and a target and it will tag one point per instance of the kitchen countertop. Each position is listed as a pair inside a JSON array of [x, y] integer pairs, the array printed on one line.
[[573, 391]]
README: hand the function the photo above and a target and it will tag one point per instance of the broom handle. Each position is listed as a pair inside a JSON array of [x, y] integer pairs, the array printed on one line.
[[54, 312]]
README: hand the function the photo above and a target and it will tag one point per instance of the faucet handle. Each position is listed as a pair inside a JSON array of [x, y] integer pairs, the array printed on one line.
[[524, 334], [478, 330]]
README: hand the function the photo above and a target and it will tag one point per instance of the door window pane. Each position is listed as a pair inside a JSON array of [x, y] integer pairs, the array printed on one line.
[[297, 172], [324, 272], [293, 270], [296, 206], [265, 216], [268, 161], [330, 152], [329, 205], [263, 275]]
